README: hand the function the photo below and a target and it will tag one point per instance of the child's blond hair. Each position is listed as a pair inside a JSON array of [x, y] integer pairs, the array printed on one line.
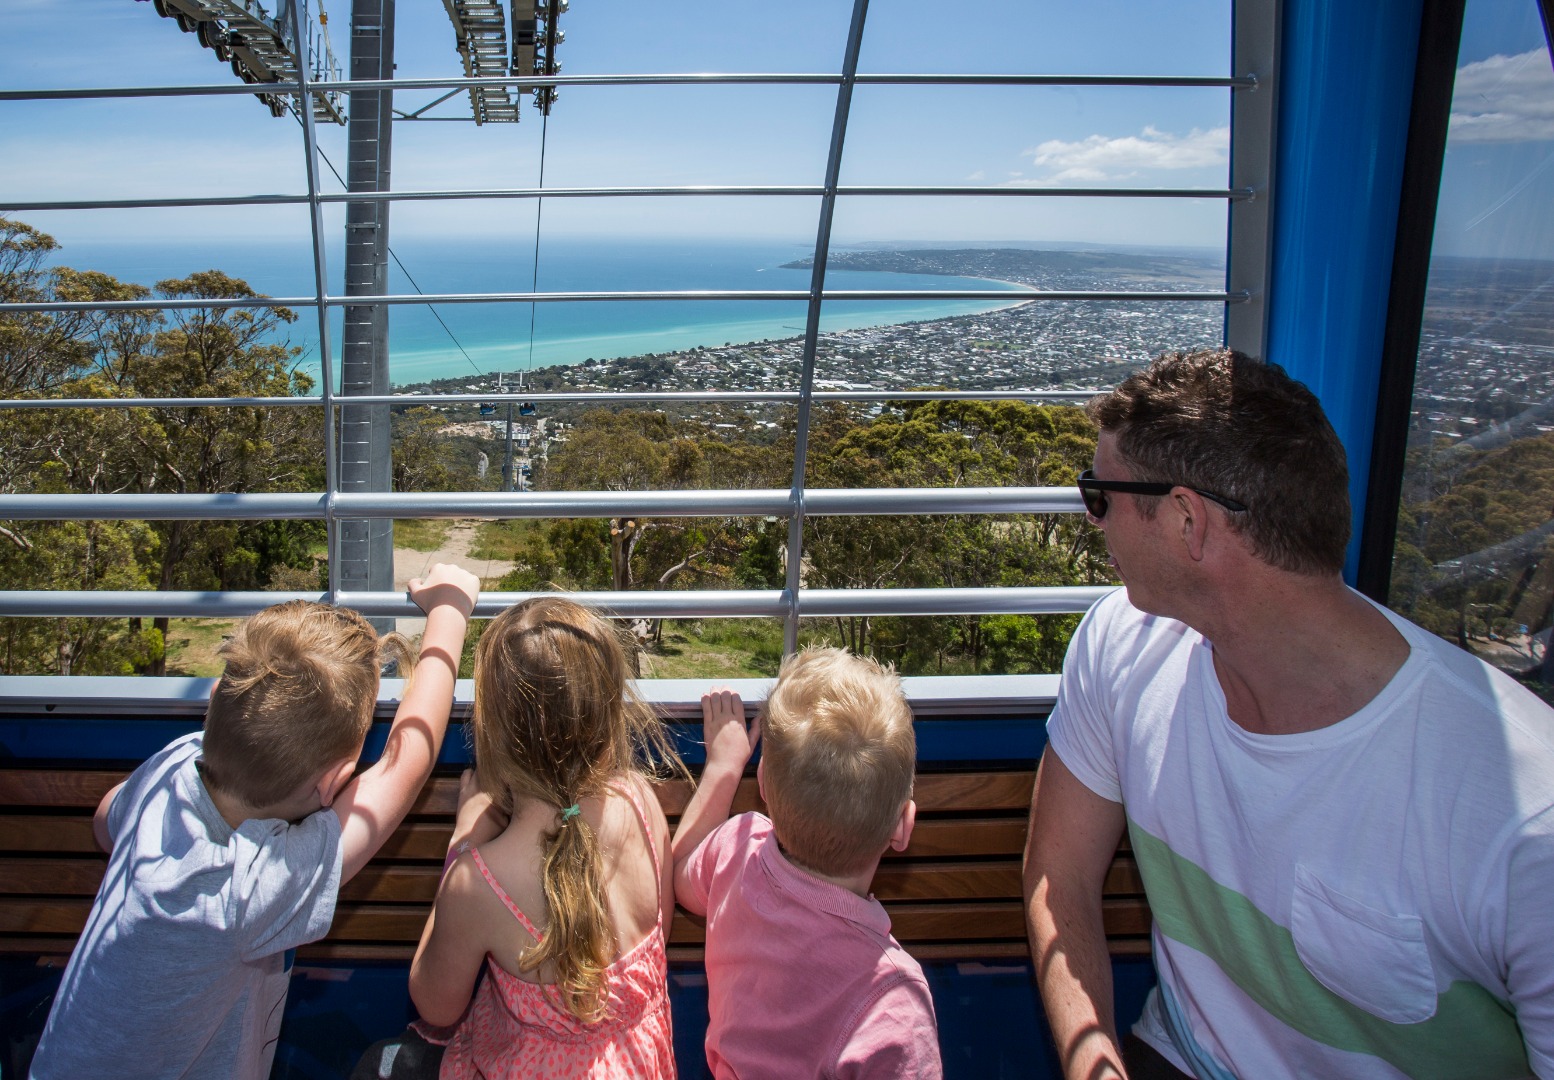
[[839, 757], [556, 718], [297, 696]]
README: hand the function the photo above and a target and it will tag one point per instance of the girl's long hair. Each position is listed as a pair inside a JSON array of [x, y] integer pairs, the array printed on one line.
[[556, 717]]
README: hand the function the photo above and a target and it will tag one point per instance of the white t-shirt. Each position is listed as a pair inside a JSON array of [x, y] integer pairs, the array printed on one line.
[[182, 968], [1371, 899]]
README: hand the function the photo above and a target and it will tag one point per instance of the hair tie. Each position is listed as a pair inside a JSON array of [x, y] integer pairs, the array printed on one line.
[[570, 812]]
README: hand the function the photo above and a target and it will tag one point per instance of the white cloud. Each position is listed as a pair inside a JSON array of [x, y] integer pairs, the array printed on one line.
[[1504, 99], [978, 175], [1100, 158]]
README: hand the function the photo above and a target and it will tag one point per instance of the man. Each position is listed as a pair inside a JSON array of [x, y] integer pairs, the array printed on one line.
[[1344, 825]]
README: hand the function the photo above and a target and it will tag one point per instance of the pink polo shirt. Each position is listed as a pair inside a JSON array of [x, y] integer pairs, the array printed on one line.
[[803, 976]]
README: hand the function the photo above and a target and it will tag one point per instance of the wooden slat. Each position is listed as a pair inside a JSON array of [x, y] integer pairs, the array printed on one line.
[[413, 883], [63, 788], [938, 839], [68, 834], [980, 880], [910, 921], [26, 876]]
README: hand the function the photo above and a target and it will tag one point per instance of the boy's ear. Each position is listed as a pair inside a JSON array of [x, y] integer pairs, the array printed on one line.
[[760, 779], [902, 835], [333, 780]]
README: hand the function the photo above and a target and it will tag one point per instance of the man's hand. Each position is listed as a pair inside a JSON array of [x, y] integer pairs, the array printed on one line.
[[446, 584], [729, 739], [479, 819]]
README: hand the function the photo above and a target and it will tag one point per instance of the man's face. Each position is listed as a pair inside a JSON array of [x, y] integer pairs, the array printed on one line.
[[1134, 542]]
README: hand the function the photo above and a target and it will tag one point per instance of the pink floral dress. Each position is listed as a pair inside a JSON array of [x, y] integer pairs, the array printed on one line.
[[520, 1029]]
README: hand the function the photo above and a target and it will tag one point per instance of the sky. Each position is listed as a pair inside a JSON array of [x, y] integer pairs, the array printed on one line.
[[663, 135], [1500, 168]]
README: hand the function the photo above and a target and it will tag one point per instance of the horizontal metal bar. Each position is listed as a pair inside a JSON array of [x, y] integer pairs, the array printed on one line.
[[659, 79], [362, 506], [687, 604], [173, 696], [172, 403], [228, 506], [610, 397], [600, 397], [790, 295], [196, 90], [765, 191]]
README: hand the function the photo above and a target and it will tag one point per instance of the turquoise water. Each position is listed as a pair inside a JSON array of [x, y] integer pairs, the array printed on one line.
[[482, 338]]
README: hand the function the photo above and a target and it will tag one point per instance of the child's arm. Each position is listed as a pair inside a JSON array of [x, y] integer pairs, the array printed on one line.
[[100, 831], [448, 959], [730, 742], [372, 806]]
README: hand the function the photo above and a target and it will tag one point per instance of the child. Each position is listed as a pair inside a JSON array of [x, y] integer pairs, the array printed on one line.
[[803, 976], [558, 880], [229, 846]]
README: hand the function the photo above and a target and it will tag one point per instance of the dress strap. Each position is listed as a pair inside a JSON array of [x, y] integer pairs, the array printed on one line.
[[523, 920], [629, 789]]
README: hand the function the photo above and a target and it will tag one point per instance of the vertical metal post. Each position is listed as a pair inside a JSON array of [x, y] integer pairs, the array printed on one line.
[[1254, 51], [817, 280], [367, 547], [320, 289], [507, 455]]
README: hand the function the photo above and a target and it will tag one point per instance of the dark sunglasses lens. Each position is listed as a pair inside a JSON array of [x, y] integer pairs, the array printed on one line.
[[1095, 499]]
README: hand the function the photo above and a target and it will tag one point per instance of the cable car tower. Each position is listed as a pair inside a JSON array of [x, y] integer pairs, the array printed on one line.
[[262, 48]]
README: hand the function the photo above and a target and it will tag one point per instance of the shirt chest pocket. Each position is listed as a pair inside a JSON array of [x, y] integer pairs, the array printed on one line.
[[1372, 959]]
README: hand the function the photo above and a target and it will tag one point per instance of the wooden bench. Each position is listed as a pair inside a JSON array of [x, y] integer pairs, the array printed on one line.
[[953, 894]]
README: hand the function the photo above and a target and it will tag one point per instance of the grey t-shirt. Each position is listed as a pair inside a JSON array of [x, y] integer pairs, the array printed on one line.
[[182, 968]]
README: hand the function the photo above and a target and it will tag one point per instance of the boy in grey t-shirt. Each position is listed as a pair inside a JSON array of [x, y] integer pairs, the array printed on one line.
[[229, 846]]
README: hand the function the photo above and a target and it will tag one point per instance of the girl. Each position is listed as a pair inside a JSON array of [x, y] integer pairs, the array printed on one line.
[[559, 876]]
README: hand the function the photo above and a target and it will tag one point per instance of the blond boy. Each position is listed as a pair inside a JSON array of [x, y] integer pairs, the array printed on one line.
[[804, 977], [229, 846]]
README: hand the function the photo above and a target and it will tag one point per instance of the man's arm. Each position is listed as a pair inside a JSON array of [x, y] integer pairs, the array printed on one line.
[[372, 806], [1069, 847], [730, 742]]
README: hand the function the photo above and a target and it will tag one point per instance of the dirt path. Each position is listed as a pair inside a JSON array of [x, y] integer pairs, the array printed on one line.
[[409, 563]]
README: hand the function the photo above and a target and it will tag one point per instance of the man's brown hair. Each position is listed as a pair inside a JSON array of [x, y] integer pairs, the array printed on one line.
[[297, 696], [1221, 421], [839, 757]]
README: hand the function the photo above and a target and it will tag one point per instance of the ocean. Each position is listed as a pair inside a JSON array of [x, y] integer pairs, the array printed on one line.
[[485, 338]]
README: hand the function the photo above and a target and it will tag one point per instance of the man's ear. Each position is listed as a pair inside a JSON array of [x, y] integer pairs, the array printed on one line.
[[333, 780], [902, 836], [1194, 515]]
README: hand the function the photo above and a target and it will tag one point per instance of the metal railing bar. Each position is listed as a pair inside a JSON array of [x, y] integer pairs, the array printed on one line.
[[320, 285], [1232, 82], [747, 190], [795, 547], [225, 506], [790, 295], [683, 604], [602, 397], [750, 502], [1224, 82]]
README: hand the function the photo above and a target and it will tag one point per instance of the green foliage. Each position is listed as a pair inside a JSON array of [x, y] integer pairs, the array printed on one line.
[[197, 352]]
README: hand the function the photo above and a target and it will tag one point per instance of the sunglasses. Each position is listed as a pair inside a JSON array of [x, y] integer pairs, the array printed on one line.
[[1094, 491]]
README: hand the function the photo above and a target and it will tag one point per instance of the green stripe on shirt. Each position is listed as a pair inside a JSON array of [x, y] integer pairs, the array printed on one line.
[[1472, 1035]]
